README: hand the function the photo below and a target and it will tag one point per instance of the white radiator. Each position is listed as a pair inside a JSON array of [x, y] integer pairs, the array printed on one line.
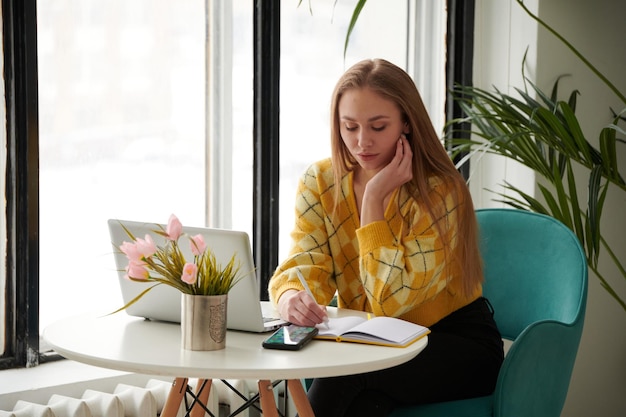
[[133, 401]]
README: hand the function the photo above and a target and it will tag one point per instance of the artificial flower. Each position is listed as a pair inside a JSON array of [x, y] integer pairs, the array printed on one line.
[[198, 244], [174, 228], [165, 263], [190, 273]]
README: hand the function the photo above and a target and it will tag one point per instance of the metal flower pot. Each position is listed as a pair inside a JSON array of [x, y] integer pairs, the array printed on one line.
[[203, 321]]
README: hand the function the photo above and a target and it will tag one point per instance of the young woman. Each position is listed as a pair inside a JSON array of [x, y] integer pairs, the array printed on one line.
[[387, 225]]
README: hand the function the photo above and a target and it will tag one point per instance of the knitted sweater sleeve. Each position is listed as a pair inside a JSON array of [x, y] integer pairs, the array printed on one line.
[[402, 260], [310, 251]]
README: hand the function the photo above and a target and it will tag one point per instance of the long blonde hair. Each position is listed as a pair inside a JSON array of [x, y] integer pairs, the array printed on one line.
[[429, 156]]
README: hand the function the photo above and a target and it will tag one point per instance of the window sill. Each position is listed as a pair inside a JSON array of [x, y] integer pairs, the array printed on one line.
[[51, 374], [63, 377]]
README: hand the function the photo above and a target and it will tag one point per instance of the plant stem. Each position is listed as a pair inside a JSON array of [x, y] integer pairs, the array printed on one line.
[[608, 287], [613, 256]]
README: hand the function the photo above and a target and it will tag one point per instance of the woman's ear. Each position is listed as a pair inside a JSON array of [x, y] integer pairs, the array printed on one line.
[[406, 129]]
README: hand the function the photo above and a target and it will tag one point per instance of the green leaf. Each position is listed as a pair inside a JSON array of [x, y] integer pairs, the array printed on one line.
[[563, 198], [532, 203], [355, 17], [608, 150], [577, 215], [577, 134], [134, 300], [555, 210], [572, 99], [594, 210]]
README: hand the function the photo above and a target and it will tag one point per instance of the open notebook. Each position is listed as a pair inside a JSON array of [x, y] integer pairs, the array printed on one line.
[[164, 302]]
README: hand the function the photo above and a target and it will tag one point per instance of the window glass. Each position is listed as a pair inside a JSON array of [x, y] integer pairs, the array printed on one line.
[[121, 112], [312, 44], [312, 41]]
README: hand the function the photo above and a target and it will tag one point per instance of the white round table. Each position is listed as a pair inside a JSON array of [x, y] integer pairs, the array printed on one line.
[[133, 344]]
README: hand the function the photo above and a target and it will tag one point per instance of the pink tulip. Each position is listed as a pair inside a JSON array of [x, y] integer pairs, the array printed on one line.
[[131, 251], [146, 247], [174, 228], [190, 273], [137, 270], [197, 244]]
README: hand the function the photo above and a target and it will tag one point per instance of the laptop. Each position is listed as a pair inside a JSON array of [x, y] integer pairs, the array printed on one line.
[[244, 311]]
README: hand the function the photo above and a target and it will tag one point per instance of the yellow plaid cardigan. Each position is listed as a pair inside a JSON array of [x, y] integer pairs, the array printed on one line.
[[394, 267]]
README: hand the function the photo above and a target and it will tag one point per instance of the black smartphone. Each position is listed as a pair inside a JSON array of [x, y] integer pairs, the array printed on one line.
[[290, 337]]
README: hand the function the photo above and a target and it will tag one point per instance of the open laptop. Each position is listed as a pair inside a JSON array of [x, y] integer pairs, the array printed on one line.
[[164, 302]]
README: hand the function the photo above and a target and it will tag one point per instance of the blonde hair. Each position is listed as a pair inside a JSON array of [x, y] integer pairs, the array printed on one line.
[[429, 156]]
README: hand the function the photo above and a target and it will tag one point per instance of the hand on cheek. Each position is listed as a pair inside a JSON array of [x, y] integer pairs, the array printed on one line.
[[405, 165], [399, 170]]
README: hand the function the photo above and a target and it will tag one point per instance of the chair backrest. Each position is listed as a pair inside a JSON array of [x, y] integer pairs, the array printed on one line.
[[536, 280], [535, 269]]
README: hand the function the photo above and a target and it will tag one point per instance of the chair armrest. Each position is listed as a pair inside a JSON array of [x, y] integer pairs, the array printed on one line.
[[535, 375]]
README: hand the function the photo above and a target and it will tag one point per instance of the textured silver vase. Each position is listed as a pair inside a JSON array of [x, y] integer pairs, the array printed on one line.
[[203, 321]]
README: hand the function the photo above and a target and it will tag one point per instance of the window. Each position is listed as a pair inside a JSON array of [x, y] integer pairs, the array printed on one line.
[[121, 135], [312, 61], [124, 99]]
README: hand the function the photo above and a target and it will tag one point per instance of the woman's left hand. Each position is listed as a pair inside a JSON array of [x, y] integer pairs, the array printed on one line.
[[398, 171]]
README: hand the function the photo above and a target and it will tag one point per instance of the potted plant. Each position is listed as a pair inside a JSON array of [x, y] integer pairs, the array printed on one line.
[[543, 133], [203, 283]]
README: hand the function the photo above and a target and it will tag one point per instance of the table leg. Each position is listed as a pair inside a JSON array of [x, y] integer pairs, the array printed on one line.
[[303, 406], [266, 397], [175, 397], [202, 398]]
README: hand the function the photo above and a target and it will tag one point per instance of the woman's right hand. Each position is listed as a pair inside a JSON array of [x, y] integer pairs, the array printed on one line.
[[299, 308]]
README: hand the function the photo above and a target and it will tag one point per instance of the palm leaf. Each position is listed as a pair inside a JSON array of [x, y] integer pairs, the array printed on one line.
[[577, 215], [562, 198], [353, 20]]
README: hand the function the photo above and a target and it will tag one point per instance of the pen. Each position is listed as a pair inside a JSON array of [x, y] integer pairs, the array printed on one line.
[[308, 291]]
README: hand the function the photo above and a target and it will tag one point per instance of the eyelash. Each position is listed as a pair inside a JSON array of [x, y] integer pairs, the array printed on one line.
[[375, 129]]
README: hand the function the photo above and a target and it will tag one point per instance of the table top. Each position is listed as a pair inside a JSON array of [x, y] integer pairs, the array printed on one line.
[[133, 344]]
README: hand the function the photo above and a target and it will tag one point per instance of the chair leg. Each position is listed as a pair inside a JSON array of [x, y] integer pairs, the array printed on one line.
[[175, 397], [202, 398], [266, 395], [303, 406]]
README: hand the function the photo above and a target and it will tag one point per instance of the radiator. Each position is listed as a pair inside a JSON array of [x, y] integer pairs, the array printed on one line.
[[133, 401]]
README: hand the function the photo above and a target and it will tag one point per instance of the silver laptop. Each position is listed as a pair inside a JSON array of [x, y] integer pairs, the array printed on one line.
[[164, 302]]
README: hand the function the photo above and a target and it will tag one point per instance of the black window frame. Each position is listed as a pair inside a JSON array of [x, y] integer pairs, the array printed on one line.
[[19, 24]]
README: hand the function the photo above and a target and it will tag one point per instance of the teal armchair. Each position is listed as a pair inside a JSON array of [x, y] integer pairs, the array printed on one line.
[[536, 280]]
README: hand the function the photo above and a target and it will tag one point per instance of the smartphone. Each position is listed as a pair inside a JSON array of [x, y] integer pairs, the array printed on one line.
[[290, 337]]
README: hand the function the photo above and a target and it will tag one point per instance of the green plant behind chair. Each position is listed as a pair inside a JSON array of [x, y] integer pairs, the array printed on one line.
[[543, 133]]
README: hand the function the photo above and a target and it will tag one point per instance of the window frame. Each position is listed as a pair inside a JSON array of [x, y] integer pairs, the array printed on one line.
[[19, 22]]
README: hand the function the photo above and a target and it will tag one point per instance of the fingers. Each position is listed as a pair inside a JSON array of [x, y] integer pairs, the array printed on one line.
[[404, 160], [407, 153], [299, 308]]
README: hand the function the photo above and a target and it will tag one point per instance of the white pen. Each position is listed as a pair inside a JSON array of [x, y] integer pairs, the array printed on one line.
[[308, 291]]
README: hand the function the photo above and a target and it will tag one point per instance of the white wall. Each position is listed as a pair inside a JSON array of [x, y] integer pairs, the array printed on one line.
[[597, 29]]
